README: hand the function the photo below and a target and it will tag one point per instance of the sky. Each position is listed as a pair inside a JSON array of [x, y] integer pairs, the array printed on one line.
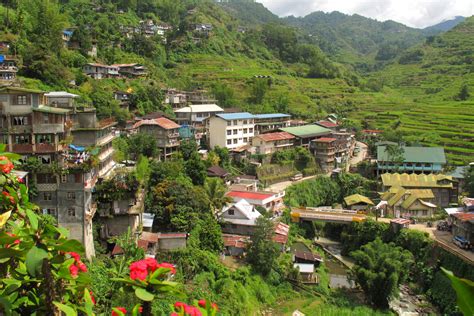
[[414, 13]]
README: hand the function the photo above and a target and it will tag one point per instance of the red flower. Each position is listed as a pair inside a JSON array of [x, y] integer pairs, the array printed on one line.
[[174, 314], [92, 297], [8, 196], [82, 267], [179, 305], [20, 179], [202, 303], [152, 264], [123, 310], [192, 311], [74, 270], [16, 242], [214, 306], [75, 255], [139, 270], [140, 309], [6, 167], [167, 266]]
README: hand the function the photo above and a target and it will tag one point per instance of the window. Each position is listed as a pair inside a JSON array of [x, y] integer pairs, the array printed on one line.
[[71, 211], [235, 122], [229, 142], [45, 178], [229, 123], [45, 118], [245, 131], [246, 139], [45, 159], [235, 132], [64, 178], [245, 121], [47, 196], [22, 139], [229, 132], [21, 100], [235, 141], [233, 226], [44, 138], [20, 120], [71, 195], [49, 211], [230, 212], [250, 130]]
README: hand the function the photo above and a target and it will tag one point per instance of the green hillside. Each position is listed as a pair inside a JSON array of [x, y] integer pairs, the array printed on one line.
[[415, 91]]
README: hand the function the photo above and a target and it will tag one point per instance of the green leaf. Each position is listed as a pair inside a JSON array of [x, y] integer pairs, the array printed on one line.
[[143, 294], [33, 219], [89, 305], [118, 312], [34, 259], [69, 245], [464, 290], [69, 311], [9, 253], [135, 309]]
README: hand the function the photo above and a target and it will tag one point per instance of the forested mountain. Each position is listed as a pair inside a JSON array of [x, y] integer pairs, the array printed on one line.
[[445, 25]]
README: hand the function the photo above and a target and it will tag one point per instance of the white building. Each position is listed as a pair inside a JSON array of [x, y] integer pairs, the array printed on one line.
[[230, 130], [195, 114]]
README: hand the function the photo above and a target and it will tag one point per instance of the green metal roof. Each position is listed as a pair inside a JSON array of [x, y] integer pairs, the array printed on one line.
[[416, 154], [20, 89], [459, 172], [50, 109], [357, 199], [417, 195], [307, 130], [394, 195], [417, 180]]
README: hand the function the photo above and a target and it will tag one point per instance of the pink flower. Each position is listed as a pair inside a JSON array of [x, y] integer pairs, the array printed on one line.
[[152, 264], [6, 167], [75, 255], [92, 297], [214, 306], [179, 305], [74, 270], [16, 242], [140, 309], [82, 266], [202, 303], [123, 310], [20, 180], [192, 311]]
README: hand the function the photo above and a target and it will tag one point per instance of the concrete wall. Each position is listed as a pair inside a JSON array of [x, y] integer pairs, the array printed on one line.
[[228, 228], [171, 243], [218, 132]]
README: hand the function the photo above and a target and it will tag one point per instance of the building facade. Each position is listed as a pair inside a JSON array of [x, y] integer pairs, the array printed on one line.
[[265, 123], [411, 160], [196, 114], [165, 131], [270, 143], [230, 130]]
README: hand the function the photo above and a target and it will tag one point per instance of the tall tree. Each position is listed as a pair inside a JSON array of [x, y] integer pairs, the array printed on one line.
[[262, 252], [215, 190], [196, 169], [379, 269]]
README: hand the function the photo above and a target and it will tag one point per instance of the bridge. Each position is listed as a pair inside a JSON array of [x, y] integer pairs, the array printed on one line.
[[326, 214]]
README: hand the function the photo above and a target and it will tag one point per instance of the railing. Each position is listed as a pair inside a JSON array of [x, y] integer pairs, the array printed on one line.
[[23, 148]]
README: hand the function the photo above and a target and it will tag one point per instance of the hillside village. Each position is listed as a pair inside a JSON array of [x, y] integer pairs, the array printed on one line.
[[171, 170]]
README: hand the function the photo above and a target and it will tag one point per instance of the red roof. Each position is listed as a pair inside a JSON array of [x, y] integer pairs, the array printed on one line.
[[464, 216], [249, 195], [327, 124], [400, 221], [280, 239], [149, 237], [468, 201], [371, 131], [236, 241], [172, 235], [325, 140], [308, 256], [161, 121], [275, 136], [282, 229]]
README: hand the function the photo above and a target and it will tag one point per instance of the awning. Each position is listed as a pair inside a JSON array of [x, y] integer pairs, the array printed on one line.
[[381, 204], [77, 148], [427, 204], [453, 210]]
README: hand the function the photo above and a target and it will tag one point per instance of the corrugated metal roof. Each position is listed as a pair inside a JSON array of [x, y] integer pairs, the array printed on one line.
[[236, 116], [249, 195], [271, 115], [275, 136], [325, 140], [417, 180], [161, 121], [307, 131], [356, 199], [200, 108], [415, 154], [304, 267]]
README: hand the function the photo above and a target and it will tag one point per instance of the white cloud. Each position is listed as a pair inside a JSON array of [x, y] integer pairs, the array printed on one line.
[[414, 13]]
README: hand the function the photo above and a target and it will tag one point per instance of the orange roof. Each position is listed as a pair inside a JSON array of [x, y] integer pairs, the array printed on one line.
[[275, 136], [325, 140], [464, 216], [249, 195], [161, 121]]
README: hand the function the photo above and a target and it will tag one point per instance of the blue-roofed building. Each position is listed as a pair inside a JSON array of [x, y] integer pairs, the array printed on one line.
[[230, 130], [266, 123]]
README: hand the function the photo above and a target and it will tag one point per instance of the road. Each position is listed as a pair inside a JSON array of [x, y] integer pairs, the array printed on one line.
[[280, 186], [361, 155]]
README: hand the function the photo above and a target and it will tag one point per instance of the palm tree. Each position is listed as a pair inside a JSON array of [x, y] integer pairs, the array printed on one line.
[[216, 190]]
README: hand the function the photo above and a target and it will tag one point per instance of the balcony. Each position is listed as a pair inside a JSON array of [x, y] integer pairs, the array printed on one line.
[[21, 129], [48, 128], [22, 148], [105, 140], [46, 148]]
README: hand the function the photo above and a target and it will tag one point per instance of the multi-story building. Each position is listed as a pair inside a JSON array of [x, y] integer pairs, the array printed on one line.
[[270, 201], [8, 69], [165, 131], [410, 159], [176, 99], [131, 70], [265, 123], [324, 149], [196, 114], [100, 71], [267, 144], [230, 130], [66, 150]]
